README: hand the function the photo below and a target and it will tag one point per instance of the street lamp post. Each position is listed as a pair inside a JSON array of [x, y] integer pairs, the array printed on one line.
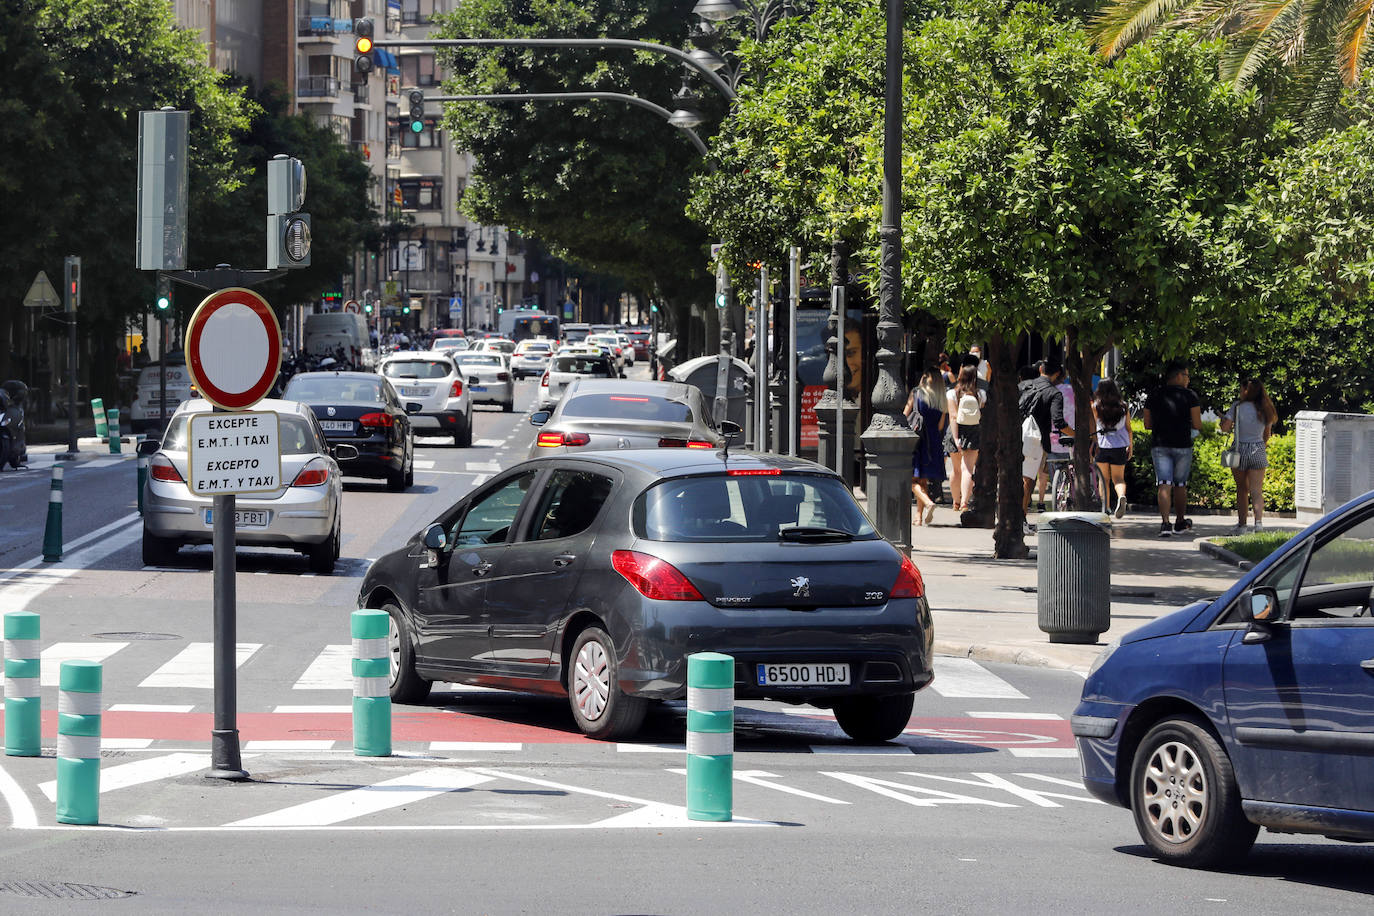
[[889, 441]]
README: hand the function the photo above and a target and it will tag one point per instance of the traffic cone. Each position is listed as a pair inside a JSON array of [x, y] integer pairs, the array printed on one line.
[[52, 534]]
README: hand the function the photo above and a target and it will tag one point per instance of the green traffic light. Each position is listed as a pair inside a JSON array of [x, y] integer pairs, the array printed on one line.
[[368, 308], [405, 310], [163, 303], [417, 126]]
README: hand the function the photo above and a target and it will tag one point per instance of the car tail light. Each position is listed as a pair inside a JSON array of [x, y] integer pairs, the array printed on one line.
[[654, 578], [621, 397], [314, 474], [684, 443], [909, 583], [754, 472], [456, 389], [576, 438], [377, 419], [544, 382], [549, 440], [161, 468], [503, 376], [699, 443]]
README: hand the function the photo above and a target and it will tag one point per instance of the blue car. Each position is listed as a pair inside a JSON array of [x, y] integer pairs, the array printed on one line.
[[1253, 710]]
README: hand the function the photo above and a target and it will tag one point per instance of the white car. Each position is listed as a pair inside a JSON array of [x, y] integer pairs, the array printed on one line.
[[627, 348], [610, 346], [432, 381], [565, 367], [531, 357], [488, 377], [145, 415], [449, 344], [495, 345]]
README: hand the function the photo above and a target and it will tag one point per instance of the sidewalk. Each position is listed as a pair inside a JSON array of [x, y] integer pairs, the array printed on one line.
[[986, 608]]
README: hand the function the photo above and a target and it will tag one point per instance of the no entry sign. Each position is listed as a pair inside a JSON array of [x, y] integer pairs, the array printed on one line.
[[233, 348]]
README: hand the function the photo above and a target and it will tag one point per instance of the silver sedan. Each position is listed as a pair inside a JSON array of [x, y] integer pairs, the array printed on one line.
[[613, 414], [489, 378]]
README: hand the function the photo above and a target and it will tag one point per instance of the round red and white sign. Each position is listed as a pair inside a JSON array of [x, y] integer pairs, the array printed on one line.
[[233, 348]]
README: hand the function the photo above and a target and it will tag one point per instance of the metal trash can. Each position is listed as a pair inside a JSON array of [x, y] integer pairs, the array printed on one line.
[[1074, 576]]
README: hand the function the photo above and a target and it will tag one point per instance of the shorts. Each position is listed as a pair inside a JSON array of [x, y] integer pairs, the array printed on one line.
[[1032, 449], [1111, 455], [1254, 456], [968, 438], [1172, 465], [951, 447]]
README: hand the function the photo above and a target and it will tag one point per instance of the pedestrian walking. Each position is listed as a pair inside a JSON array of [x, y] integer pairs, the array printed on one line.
[[966, 412], [1113, 421], [928, 415], [1041, 404], [1173, 415], [1251, 420]]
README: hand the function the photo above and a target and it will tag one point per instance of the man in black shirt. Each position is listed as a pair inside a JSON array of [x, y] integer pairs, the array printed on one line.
[[1042, 407], [1173, 414]]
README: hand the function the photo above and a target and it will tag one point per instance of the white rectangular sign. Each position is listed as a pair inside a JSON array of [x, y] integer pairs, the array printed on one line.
[[234, 453]]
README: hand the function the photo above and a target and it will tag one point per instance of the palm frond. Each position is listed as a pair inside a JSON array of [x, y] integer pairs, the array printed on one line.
[[1124, 22], [1268, 29], [1355, 41]]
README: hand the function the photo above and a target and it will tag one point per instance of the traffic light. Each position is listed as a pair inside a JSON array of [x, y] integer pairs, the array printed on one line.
[[164, 296], [362, 46], [405, 310], [722, 287], [288, 230], [71, 276], [416, 98], [367, 308]]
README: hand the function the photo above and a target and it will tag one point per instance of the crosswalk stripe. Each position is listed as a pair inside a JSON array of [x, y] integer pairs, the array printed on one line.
[[488, 466], [140, 771], [475, 746], [194, 666], [364, 800], [312, 710], [1040, 716], [422, 465], [1043, 752], [489, 443], [331, 670], [963, 677], [60, 652], [303, 744], [151, 707]]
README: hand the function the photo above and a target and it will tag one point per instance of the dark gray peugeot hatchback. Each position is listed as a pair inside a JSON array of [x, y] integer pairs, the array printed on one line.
[[596, 575]]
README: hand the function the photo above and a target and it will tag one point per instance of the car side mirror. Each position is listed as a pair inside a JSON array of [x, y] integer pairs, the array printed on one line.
[[1259, 607], [539, 418], [149, 447], [344, 452], [412, 407], [728, 429], [435, 540]]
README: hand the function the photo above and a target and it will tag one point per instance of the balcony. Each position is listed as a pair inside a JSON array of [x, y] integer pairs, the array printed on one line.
[[317, 87], [322, 27], [361, 93]]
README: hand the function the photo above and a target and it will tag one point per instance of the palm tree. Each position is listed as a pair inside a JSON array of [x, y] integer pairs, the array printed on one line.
[[1326, 43]]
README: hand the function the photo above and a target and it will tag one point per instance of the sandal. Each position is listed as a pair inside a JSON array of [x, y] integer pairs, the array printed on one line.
[[930, 515]]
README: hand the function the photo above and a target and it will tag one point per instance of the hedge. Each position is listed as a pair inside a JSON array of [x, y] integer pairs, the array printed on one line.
[[1211, 484]]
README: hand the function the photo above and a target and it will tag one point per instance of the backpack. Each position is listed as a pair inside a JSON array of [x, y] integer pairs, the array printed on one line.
[[917, 422], [1026, 402]]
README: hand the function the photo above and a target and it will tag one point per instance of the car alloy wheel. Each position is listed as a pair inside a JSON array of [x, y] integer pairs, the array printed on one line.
[[1174, 790]]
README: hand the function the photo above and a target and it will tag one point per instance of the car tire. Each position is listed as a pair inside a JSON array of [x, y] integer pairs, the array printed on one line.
[[406, 685], [324, 555], [1185, 799], [410, 468], [874, 719], [4, 448], [598, 706], [508, 407], [465, 434], [158, 551], [396, 481]]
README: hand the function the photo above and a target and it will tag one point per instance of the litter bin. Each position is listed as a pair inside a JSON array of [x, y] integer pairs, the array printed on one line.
[[703, 372], [1074, 576]]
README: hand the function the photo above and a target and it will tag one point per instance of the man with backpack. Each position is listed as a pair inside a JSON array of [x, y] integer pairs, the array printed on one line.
[[1041, 403]]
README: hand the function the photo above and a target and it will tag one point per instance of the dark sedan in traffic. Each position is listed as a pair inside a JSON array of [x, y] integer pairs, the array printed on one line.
[[596, 574], [361, 409]]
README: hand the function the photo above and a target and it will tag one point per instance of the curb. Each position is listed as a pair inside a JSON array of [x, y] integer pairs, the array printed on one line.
[[1217, 552], [1004, 654]]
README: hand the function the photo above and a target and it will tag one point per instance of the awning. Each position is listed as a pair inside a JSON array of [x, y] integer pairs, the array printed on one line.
[[386, 60]]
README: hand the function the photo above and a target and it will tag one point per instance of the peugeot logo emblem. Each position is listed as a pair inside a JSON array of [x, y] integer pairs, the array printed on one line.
[[330, 411], [622, 442], [801, 587]]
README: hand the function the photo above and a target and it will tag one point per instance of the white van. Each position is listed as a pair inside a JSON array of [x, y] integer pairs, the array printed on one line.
[[329, 332], [144, 415]]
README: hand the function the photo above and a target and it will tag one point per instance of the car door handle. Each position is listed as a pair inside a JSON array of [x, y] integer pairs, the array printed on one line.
[[563, 559], [481, 569], [1368, 665]]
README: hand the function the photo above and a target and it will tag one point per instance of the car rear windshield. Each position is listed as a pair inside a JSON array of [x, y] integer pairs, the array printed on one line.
[[720, 507], [582, 365], [527, 347], [297, 436], [334, 390], [480, 359], [628, 407], [416, 368]]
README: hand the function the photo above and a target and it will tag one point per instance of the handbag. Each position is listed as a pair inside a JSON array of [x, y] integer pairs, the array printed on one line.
[[1231, 457]]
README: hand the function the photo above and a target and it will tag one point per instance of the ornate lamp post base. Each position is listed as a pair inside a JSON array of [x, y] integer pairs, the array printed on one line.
[[887, 482]]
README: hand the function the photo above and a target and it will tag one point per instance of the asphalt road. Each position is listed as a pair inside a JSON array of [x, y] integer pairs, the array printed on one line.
[[493, 802]]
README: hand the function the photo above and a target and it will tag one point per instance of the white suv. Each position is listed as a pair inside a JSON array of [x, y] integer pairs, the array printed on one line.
[[531, 357], [568, 365], [627, 348], [433, 381], [610, 346]]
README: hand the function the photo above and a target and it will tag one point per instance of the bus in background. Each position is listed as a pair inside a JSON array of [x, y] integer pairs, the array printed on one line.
[[523, 323]]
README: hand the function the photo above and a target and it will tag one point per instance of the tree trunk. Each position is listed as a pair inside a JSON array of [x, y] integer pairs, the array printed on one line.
[[1079, 363], [1008, 536]]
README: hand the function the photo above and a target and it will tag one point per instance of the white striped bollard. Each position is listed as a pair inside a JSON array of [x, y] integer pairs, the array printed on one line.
[[371, 683], [78, 743], [113, 424], [23, 703], [710, 736], [52, 532]]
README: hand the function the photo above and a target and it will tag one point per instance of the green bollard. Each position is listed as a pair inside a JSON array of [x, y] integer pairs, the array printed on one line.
[[23, 703], [371, 683], [98, 411], [78, 743], [710, 736], [115, 441], [52, 533]]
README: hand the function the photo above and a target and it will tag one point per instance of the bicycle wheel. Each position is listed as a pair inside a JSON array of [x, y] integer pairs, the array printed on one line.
[[1100, 495], [1061, 488]]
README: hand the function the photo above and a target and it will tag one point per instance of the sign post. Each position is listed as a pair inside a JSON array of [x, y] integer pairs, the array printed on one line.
[[233, 352]]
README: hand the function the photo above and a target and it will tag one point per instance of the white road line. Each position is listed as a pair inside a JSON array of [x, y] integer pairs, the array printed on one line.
[[1043, 716], [422, 465], [651, 748], [22, 814], [759, 777], [140, 771], [857, 750], [60, 652], [963, 677], [194, 666], [312, 710], [489, 443], [480, 479], [490, 467], [287, 745], [364, 800], [150, 707], [101, 462], [1043, 752], [332, 669], [475, 746], [125, 744], [20, 585]]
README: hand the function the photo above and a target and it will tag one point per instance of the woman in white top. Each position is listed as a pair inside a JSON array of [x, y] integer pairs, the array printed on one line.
[[966, 412], [1252, 418]]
